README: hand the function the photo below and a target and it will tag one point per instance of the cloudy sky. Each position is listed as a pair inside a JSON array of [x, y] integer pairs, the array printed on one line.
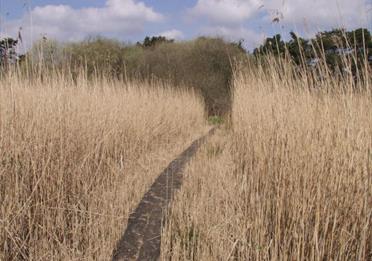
[[132, 20]]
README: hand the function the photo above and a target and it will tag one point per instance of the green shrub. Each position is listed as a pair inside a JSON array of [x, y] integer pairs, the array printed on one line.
[[97, 56]]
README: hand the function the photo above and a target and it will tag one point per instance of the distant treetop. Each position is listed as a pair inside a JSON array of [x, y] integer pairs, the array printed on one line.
[[153, 41]]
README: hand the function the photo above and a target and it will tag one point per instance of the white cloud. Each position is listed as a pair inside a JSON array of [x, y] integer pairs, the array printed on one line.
[[250, 37], [227, 18], [320, 13], [173, 34], [62, 22], [313, 13], [235, 19], [225, 11]]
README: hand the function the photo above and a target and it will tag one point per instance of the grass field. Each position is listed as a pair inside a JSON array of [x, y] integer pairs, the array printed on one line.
[[287, 176], [75, 159]]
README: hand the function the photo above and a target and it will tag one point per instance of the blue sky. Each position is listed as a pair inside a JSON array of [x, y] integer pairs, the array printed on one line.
[[132, 20]]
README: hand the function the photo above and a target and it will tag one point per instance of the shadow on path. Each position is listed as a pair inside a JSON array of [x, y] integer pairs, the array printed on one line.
[[142, 237]]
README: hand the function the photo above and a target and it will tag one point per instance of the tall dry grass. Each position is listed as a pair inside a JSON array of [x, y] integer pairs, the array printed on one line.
[[77, 156], [290, 179]]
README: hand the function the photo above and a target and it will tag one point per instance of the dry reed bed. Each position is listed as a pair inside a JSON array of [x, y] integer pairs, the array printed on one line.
[[290, 180], [75, 159]]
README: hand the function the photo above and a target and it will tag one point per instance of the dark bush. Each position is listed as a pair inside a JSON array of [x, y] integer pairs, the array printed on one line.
[[204, 64]]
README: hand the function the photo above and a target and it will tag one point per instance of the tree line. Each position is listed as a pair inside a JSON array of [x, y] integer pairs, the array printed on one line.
[[332, 47]]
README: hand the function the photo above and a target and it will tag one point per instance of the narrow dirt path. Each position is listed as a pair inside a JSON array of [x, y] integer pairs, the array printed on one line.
[[142, 237]]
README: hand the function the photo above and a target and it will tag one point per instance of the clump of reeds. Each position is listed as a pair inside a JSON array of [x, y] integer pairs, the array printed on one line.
[[290, 179], [76, 156]]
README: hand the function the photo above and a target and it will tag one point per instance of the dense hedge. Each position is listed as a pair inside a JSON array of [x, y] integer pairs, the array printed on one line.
[[204, 64]]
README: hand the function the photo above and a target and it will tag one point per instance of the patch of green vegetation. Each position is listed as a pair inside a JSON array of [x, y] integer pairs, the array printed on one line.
[[215, 120]]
